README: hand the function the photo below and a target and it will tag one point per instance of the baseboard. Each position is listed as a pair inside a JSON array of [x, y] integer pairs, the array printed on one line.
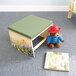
[[32, 8]]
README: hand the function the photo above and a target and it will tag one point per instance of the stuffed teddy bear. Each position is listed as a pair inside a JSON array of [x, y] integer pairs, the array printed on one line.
[[54, 37]]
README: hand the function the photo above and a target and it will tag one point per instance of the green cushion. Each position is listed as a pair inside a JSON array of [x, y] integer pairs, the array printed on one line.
[[30, 26]]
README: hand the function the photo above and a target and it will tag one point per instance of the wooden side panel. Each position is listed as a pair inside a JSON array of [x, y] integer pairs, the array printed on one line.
[[45, 33], [21, 43]]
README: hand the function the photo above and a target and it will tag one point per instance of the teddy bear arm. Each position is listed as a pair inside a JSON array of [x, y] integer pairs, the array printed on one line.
[[61, 39], [48, 39]]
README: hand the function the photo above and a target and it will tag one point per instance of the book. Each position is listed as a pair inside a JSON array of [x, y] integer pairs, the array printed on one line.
[[57, 61]]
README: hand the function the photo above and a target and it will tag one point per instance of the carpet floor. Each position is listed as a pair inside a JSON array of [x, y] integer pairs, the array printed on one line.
[[14, 63]]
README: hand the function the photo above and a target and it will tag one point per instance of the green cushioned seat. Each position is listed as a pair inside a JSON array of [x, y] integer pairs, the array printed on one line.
[[30, 26]]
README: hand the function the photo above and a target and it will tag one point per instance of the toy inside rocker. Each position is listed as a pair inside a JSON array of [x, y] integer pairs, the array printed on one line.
[[54, 37]]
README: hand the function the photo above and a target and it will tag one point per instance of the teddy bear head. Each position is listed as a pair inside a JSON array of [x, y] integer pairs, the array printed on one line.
[[55, 34], [54, 31]]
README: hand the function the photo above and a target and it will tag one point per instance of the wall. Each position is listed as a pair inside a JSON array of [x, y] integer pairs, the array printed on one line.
[[34, 5], [34, 2]]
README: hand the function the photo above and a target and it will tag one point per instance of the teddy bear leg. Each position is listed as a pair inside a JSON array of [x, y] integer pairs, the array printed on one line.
[[51, 46], [58, 45]]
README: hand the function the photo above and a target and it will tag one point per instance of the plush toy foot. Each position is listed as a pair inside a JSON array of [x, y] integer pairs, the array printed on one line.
[[51, 46], [58, 45], [46, 43]]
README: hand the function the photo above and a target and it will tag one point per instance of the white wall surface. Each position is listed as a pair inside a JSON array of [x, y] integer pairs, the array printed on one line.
[[34, 5], [35, 2]]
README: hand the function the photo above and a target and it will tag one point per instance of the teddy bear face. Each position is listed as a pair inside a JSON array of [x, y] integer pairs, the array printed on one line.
[[55, 34]]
